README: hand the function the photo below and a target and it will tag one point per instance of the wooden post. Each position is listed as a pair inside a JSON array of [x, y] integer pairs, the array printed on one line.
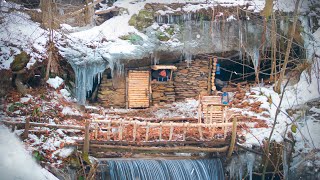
[[209, 77], [233, 136], [96, 132], [127, 94], [184, 132], [171, 131], [211, 109], [160, 132], [224, 120], [120, 130], [147, 132], [109, 131], [213, 129], [199, 110], [26, 129], [134, 131], [213, 86], [86, 138], [200, 132], [207, 115]]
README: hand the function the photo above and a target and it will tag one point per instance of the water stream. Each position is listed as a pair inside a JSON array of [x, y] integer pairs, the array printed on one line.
[[202, 169]]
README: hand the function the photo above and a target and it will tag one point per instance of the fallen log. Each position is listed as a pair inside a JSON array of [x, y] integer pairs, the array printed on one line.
[[79, 11], [112, 9]]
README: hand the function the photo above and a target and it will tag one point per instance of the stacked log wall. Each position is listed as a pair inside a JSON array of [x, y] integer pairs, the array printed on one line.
[[191, 80], [112, 92], [162, 92]]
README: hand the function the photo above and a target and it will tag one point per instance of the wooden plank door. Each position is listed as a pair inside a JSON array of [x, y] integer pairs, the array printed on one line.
[[138, 89]]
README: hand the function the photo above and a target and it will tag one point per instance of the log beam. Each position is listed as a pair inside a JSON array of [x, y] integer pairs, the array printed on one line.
[[184, 149]]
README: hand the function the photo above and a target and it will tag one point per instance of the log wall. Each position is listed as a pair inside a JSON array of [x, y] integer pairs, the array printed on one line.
[[112, 92], [162, 92], [192, 80]]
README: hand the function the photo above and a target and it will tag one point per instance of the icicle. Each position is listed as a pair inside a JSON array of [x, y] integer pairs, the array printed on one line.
[[240, 39], [308, 41], [250, 161], [85, 78], [156, 58], [188, 58], [255, 59], [119, 68]]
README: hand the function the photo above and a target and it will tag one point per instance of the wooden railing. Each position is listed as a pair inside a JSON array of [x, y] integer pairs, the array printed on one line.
[[119, 128], [135, 133]]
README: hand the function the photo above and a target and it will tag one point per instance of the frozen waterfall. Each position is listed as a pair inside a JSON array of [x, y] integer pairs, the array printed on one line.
[[85, 78]]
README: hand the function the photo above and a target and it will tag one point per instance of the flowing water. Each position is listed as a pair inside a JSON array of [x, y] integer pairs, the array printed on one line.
[[202, 169]]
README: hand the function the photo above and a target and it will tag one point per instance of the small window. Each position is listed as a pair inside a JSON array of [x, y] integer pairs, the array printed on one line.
[[162, 73]]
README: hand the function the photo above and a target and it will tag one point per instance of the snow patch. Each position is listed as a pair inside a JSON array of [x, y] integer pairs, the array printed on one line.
[[71, 112], [16, 163], [66, 94], [66, 152], [55, 82]]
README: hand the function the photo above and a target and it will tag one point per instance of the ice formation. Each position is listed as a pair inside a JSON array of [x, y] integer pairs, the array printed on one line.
[[239, 164], [86, 75]]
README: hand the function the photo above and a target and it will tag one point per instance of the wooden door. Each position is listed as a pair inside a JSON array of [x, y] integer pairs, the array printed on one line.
[[138, 87]]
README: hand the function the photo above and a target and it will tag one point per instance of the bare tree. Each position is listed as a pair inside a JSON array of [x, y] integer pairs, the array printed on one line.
[[48, 12], [277, 88]]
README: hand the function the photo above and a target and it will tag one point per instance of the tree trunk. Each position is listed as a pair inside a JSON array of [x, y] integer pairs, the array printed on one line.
[[274, 48], [89, 12], [48, 12], [277, 88]]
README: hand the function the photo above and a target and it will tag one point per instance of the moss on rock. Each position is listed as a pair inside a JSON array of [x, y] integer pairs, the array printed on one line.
[[163, 37], [20, 61], [132, 37], [142, 20]]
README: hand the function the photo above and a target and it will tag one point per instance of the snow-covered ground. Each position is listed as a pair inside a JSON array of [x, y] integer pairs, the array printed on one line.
[[16, 162], [19, 33]]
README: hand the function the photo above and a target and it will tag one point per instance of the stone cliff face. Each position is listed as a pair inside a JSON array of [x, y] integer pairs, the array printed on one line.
[[167, 33]]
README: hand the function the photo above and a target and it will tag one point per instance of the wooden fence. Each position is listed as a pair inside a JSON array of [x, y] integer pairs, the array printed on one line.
[[132, 134]]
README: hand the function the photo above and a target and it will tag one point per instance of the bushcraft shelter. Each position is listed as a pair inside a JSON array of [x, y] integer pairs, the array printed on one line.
[[158, 84]]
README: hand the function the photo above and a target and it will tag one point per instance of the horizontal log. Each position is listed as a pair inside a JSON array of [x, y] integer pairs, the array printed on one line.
[[166, 119], [151, 124], [58, 126], [178, 149], [114, 9], [74, 13], [215, 143]]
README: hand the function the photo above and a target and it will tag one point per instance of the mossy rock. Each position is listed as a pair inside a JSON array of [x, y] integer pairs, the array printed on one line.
[[20, 61], [170, 31], [133, 38], [133, 20], [163, 37], [142, 20]]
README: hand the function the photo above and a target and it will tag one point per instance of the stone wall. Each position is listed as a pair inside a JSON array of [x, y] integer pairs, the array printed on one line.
[[162, 92], [112, 92], [192, 80]]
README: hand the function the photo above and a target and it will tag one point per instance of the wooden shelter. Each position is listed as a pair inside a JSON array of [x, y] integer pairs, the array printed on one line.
[[144, 86]]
